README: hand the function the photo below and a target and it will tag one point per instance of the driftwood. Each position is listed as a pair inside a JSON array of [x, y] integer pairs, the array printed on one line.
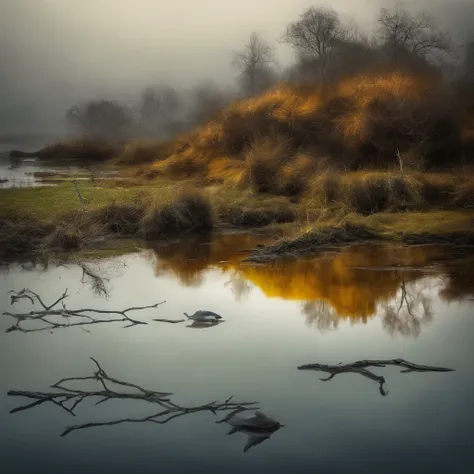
[[360, 367], [69, 399], [73, 317]]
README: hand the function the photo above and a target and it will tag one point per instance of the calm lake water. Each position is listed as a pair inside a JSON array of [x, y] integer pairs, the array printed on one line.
[[364, 302], [16, 173]]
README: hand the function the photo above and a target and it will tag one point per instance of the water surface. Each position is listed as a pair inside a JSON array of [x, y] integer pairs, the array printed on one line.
[[365, 302]]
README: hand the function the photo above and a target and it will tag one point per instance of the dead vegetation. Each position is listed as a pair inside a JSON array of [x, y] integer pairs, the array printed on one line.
[[309, 155], [21, 235], [315, 240], [361, 367], [111, 388], [189, 212], [57, 316], [81, 149]]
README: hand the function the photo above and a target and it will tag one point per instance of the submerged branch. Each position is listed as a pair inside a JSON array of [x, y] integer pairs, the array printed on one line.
[[361, 367], [83, 316], [69, 398]]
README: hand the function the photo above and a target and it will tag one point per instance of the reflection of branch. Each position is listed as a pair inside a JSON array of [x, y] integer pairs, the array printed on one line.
[[321, 315], [239, 286], [413, 310], [74, 397], [360, 367], [97, 282], [50, 311]]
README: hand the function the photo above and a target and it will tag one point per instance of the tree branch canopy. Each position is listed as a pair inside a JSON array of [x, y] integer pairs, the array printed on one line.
[[316, 35], [418, 35], [255, 64]]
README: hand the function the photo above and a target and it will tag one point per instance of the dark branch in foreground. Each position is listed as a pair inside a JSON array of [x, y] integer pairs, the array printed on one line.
[[360, 367], [69, 398], [50, 315]]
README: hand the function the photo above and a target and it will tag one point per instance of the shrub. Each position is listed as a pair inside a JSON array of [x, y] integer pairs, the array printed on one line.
[[82, 149], [120, 218], [264, 159], [189, 212], [21, 235], [139, 152]]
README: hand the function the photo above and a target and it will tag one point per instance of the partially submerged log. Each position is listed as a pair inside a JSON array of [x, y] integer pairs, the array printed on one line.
[[361, 367]]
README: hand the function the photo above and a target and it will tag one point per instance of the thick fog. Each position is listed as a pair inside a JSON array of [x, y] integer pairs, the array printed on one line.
[[55, 53]]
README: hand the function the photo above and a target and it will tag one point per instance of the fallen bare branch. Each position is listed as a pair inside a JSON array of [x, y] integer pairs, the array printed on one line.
[[84, 316], [360, 367], [69, 398]]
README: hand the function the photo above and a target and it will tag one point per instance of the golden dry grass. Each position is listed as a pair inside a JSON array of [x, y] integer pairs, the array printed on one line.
[[143, 151], [190, 211]]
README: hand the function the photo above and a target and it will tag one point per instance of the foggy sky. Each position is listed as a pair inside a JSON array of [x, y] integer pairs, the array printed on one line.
[[54, 53]]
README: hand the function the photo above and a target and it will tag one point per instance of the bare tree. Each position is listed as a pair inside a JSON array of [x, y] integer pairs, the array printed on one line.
[[403, 33], [315, 36], [255, 63]]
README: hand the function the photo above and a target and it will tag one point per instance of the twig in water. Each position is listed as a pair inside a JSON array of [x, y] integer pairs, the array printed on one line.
[[360, 367], [83, 316], [69, 399]]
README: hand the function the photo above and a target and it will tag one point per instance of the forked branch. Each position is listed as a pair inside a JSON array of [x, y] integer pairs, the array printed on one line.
[[57, 316], [69, 398], [361, 367]]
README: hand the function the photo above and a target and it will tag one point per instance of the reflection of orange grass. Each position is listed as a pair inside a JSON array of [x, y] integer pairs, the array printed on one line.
[[352, 292], [342, 280], [189, 258]]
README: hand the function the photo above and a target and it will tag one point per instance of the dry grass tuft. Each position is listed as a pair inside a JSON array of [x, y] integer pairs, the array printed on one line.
[[119, 218], [241, 217], [264, 159], [21, 235], [463, 196], [140, 151], [189, 212], [62, 239]]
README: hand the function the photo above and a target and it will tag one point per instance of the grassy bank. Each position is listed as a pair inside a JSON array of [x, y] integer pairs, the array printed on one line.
[[45, 219], [387, 156]]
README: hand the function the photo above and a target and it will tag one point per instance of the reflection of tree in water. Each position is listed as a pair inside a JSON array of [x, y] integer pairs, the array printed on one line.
[[405, 314], [185, 259], [239, 286], [354, 283], [408, 311], [321, 315]]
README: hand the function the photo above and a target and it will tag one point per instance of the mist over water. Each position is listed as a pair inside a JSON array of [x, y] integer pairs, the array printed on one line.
[[366, 302], [57, 53]]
